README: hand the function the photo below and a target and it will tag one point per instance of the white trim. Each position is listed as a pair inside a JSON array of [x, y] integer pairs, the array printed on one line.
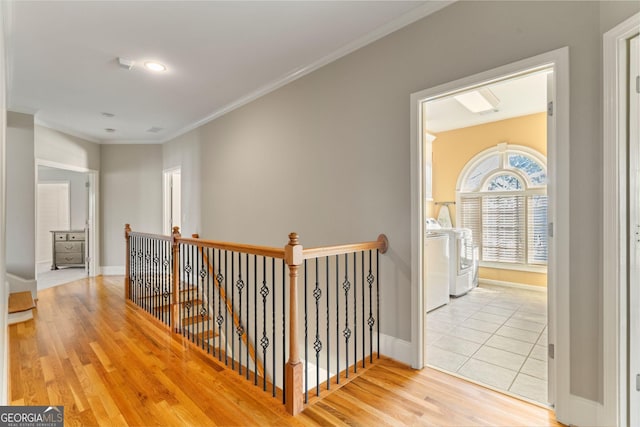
[[557, 189], [94, 209], [18, 284], [512, 285], [395, 348], [530, 268], [584, 412], [112, 270], [19, 317], [614, 328]]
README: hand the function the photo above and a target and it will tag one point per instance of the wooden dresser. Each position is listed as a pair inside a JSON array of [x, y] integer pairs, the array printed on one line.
[[68, 248]]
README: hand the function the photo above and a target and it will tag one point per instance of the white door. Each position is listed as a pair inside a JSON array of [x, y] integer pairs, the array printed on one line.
[[53, 213], [634, 247]]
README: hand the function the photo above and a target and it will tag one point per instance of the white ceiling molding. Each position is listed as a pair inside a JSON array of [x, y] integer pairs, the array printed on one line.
[[406, 19]]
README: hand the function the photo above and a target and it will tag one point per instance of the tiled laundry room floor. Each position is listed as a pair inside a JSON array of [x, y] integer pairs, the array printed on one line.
[[493, 335]]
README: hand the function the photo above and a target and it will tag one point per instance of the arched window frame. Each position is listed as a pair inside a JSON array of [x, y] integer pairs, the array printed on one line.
[[530, 189]]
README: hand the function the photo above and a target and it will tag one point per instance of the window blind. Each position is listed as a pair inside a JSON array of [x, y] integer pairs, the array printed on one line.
[[470, 217], [537, 229], [503, 229]]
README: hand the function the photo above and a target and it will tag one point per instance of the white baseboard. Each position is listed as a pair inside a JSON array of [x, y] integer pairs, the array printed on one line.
[[513, 285], [112, 270], [395, 348], [21, 316], [18, 284], [583, 412]]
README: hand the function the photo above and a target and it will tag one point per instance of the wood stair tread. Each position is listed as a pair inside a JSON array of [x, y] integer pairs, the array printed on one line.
[[205, 335], [187, 321], [20, 301]]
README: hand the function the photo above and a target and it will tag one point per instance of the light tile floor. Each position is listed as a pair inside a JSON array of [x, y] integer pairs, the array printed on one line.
[[493, 335]]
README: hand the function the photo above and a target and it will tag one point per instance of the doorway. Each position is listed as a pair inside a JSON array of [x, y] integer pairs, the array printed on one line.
[[554, 66], [62, 207], [82, 208], [171, 215]]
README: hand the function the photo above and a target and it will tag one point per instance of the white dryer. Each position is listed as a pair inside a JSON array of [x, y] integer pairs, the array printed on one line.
[[461, 267], [436, 270]]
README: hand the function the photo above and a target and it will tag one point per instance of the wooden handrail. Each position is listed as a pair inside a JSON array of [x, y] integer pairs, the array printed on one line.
[[267, 251], [381, 244], [150, 235], [223, 295]]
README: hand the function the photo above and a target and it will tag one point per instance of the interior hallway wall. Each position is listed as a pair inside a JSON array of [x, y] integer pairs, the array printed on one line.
[[77, 191], [184, 152], [130, 192], [21, 222], [328, 155]]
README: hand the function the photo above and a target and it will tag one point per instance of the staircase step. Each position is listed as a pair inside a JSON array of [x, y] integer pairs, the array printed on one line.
[[167, 307], [187, 321], [204, 336], [20, 301]]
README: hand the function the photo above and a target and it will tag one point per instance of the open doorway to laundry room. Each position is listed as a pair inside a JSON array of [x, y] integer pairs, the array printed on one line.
[[485, 244]]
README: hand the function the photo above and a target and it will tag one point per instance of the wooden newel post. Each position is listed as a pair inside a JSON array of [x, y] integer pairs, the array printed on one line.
[[127, 269], [175, 315], [293, 373]]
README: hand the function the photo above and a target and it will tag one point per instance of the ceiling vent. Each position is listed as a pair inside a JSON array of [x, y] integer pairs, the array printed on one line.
[[154, 129]]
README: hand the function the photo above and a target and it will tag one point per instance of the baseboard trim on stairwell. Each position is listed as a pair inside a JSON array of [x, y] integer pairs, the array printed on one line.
[[18, 284], [112, 270], [395, 348]]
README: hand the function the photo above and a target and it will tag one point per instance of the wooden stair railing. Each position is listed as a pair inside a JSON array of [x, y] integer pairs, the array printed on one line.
[[230, 310], [295, 257]]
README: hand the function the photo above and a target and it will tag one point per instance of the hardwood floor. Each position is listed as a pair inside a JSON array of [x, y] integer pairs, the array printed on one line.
[[109, 365]]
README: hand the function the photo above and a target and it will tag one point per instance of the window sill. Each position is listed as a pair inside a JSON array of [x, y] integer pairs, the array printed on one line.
[[517, 267]]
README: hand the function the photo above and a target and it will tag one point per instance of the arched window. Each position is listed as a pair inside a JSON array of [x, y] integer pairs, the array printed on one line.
[[502, 198]]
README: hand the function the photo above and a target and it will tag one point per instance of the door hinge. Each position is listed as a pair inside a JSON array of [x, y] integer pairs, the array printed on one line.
[[637, 382], [550, 108], [637, 84], [552, 351], [550, 227]]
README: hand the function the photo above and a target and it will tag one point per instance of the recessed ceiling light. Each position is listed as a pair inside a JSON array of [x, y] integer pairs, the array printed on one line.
[[154, 66], [154, 129], [108, 115], [109, 130]]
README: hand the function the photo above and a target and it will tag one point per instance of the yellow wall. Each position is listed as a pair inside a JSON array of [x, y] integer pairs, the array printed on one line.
[[453, 149]]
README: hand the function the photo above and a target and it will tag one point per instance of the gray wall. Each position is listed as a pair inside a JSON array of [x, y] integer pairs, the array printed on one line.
[[20, 170], [130, 192], [328, 155], [77, 189], [184, 152]]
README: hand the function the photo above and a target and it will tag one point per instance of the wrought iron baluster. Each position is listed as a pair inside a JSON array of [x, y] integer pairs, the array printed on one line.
[[364, 347], [370, 321], [326, 262], [246, 322], [233, 307], [255, 318], [273, 330], [240, 329], [306, 358], [355, 315], [346, 285], [378, 299], [226, 323], [338, 318], [264, 341], [317, 344]]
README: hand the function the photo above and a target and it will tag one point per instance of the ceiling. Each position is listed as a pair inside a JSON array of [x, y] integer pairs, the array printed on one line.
[[518, 96], [63, 67]]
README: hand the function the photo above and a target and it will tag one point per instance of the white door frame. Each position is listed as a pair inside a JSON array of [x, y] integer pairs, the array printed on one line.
[[558, 192], [167, 207], [615, 315], [93, 217]]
